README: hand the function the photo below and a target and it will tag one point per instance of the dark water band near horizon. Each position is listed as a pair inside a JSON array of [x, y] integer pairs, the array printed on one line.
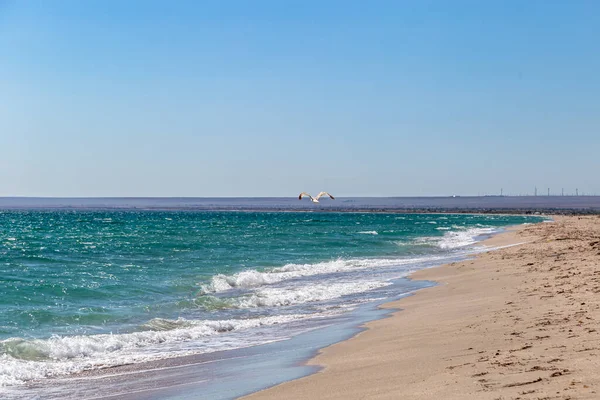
[[221, 301], [501, 204]]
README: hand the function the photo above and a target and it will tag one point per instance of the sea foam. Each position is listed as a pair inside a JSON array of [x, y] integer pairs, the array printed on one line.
[[275, 297], [457, 238], [253, 278], [23, 360], [462, 238]]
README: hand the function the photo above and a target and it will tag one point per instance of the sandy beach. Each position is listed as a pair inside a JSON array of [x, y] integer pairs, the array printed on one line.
[[520, 322]]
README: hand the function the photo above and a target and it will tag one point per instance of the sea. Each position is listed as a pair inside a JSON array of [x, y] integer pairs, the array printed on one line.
[[86, 290]]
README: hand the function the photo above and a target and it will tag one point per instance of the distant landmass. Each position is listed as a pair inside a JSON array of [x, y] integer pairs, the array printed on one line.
[[462, 204]]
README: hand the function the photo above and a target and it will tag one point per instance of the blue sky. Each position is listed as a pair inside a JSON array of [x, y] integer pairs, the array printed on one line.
[[267, 98]]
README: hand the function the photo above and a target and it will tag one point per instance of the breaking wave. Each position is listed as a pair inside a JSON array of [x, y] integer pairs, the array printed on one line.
[[253, 278], [462, 238], [455, 239], [275, 297], [23, 360]]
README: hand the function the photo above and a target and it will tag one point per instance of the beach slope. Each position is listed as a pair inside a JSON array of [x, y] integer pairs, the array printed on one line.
[[520, 322]]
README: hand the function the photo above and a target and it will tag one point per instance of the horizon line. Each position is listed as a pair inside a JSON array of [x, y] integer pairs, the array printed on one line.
[[292, 196]]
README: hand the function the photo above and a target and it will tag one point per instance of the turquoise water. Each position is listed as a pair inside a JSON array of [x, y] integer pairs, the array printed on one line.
[[83, 289]]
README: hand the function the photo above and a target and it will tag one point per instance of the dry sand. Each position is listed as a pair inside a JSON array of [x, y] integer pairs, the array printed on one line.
[[517, 323]]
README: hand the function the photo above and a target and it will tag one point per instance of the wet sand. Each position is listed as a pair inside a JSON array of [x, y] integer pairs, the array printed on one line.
[[516, 323]]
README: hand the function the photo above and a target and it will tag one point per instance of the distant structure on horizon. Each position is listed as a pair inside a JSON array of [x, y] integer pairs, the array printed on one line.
[[535, 193]]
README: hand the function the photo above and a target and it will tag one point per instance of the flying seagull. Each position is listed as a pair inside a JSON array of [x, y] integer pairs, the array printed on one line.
[[314, 199]]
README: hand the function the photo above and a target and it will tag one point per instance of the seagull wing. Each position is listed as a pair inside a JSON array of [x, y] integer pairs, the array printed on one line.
[[304, 194], [325, 194]]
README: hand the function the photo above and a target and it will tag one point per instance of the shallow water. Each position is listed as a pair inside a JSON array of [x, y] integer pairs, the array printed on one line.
[[87, 289]]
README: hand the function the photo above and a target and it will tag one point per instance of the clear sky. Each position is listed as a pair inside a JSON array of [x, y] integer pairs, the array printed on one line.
[[267, 98]]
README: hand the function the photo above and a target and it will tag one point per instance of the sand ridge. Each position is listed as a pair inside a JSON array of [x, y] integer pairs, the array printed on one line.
[[516, 323]]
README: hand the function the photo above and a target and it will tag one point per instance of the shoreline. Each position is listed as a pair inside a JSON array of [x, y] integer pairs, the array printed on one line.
[[164, 373], [476, 344], [303, 355], [319, 361], [178, 377]]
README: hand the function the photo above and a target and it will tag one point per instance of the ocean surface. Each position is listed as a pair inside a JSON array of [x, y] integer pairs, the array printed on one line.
[[83, 290]]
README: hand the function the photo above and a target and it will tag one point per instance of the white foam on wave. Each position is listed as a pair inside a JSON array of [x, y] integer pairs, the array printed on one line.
[[462, 238], [369, 233], [276, 297], [24, 360], [455, 237], [252, 278]]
